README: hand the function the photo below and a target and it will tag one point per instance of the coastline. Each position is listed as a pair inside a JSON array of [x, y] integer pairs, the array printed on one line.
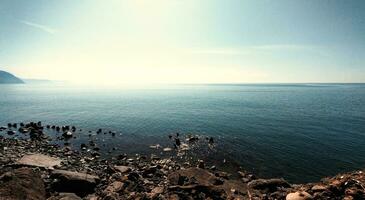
[[33, 168]]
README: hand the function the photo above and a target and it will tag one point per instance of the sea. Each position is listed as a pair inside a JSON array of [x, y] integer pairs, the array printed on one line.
[[301, 132]]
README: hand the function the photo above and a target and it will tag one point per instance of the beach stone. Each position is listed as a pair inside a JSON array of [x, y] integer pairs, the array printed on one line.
[[116, 186], [318, 188], [39, 160], [75, 182], [268, 185], [20, 184], [65, 196], [299, 196], [167, 149], [156, 191], [122, 169], [200, 176]]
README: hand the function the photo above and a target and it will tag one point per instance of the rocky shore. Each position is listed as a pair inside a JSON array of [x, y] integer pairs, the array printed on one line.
[[35, 168]]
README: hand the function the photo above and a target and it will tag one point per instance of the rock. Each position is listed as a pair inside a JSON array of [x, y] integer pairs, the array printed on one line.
[[65, 196], [11, 132], [201, 164], [39, 160], [116, 186], [167, 149], [157, 146], [156, 191], [21, 184], [265, 186], [122, 169], [177, 142], [192, 139], [67, 134], [23, 130], [75, 182], [318, 188], [299, 196], [197, 175]]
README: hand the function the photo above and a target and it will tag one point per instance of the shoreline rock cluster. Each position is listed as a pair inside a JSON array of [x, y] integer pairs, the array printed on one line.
[[35, 169]]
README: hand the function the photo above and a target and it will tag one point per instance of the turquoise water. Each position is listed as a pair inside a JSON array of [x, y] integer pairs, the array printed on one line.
[[301, 132]]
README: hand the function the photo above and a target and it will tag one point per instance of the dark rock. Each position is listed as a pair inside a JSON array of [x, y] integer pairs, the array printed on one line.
[[75, 182], [268, 185], [23, 130], [22, 184], [65, 196], [11, 132], [177, 142], [201, 164]]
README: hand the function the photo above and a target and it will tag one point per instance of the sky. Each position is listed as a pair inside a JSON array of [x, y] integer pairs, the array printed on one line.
[[120, 42]]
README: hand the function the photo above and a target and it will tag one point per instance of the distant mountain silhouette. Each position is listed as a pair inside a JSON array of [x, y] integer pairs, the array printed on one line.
[[7, 78]]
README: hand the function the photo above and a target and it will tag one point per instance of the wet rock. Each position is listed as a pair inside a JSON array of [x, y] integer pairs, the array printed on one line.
[[65, 196], [201, 164], [177, 142], [83, 146], [167, 149], [192, 139], [75, 182], [268, 184], [67, 134], [11, 132], [39, 160], [157, 146], [21, 184], [23, 130], [300, 195], [36, 134]]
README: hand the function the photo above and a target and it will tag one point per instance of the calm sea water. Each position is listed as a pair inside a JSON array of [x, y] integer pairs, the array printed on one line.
[[301, 132]]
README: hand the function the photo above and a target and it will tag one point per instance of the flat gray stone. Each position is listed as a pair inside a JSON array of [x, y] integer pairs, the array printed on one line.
[[39, 160]]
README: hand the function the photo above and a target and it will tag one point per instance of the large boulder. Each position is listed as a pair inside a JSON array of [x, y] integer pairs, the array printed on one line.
[[65, 196], [75, 182], [39, 160], [20, 184]]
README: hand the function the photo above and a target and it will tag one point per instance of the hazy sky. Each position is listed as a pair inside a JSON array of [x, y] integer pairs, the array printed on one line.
[[184, 41]]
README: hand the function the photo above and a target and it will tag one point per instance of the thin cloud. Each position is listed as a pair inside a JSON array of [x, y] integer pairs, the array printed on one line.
[[247, 50], [39, 26]]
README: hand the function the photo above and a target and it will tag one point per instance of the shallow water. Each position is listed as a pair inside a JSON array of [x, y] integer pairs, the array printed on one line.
[[301, 132]]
